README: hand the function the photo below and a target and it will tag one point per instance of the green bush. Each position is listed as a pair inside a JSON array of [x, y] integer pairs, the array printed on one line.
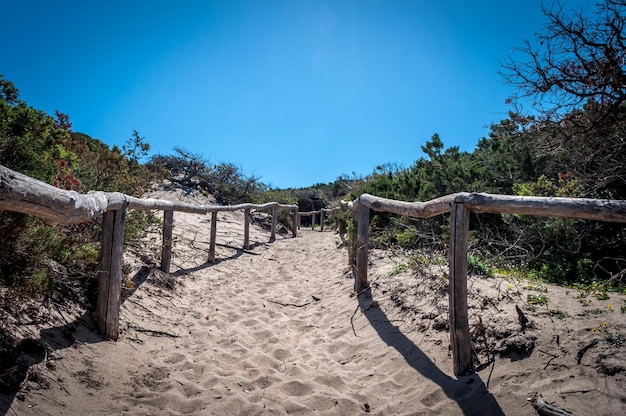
[[40, 282], [407, 238], [477, 266], [35, 257]]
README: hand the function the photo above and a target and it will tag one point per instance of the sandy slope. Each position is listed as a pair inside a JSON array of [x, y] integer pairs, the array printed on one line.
[[277, 331]]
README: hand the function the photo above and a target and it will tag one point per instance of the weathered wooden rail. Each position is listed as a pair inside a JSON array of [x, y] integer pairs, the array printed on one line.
[[460, 206], [21, 193]]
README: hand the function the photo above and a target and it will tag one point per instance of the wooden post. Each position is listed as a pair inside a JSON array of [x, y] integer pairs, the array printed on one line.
[[299, 219], [352, 251], [104, 273], [246, 228], [115, 284], [312, 220], [294, 223], [362, 237], [459, 327], [213, 237], [274, 222], [321, 220], [110, 273], [166, 248]]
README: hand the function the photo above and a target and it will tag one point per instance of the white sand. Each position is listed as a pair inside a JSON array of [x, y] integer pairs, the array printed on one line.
[[277, 331]]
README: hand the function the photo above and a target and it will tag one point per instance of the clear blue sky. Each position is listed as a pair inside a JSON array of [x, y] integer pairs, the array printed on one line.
[[296, 92]]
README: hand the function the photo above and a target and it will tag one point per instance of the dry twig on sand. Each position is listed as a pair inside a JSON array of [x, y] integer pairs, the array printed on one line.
[[584, 349], [297, 305], [544, 408], [153, 332]]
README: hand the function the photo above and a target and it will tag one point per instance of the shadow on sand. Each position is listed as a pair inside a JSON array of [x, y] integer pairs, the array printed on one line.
[[23, 361], [468, 392], [238, 253], [20, 363]]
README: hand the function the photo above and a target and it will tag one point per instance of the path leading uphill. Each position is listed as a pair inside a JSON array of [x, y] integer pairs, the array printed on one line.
[[275, 330]]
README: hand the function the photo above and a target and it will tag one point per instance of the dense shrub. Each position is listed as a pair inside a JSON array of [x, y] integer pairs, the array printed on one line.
[[36, 258]]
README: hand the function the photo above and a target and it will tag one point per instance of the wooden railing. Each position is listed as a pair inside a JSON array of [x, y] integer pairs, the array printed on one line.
[[332, 211], [460, 205], [21, 193]]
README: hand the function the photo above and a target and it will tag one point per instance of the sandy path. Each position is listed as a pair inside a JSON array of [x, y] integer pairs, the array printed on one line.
[[254, 340], [276, 330], [272, 331]]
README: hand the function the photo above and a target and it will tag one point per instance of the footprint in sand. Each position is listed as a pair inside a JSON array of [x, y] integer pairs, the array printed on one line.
[[174, 359], [296, 388], [281, 354], [250, 323]]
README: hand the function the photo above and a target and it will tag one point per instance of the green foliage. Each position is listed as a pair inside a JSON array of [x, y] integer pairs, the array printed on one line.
[[136, 150], [30, 143], [445, 171], [40, 282], [398, 268], [84, 254], [538, 300], [407, 238], [28, 252], [598, 289], [344, 218], [282, 196], [562, 273], [559, 314], [36, 257], [417, 261], [511, 160], [615, 339], [110, 169], [225, 181], [565, 186], [601, 295], [285, 197], [477, 266], [536, 284], [137, 223]]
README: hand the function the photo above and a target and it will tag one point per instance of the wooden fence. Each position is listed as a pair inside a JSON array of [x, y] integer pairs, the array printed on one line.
[[321, 212], [21, 193], [52, 205], [460, 206]]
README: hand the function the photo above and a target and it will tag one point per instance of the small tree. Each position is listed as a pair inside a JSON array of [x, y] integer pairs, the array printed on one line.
[[578, 59], [575, 76]]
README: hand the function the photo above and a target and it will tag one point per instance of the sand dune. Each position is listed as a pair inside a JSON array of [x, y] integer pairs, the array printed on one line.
[[277, 331]]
